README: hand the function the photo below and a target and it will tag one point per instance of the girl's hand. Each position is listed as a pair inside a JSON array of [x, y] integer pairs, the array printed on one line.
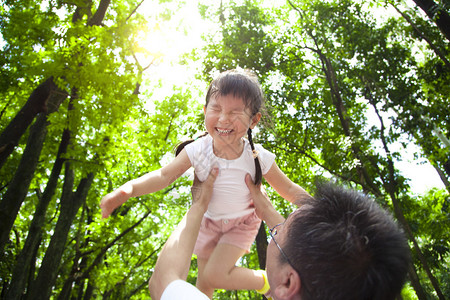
[[114, 199]]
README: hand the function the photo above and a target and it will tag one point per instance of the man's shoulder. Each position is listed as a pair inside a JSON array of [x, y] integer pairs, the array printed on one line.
[[180, 290]]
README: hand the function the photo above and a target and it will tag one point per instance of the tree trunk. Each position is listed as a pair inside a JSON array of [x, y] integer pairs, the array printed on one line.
[[401, 218], [130, 274], [45, 99], [25, 258], [365, 179], [261, 246], [438, 52], [80, 271], [447, 167], [436, 13], [18, 187], [67, 287], [79, 261], [89, 291], [70, 204], [391, 186], [99, 15], [36, 103], [415, 282]]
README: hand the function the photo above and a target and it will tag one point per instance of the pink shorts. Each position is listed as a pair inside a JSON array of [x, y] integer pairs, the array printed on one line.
[[239, 232]]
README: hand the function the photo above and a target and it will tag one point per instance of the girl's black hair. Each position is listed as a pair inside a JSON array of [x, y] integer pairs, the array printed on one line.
[[241, 84], [181, 145], [258, 171]]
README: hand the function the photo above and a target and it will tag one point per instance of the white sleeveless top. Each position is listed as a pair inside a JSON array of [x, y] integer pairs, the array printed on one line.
[[231, 197]]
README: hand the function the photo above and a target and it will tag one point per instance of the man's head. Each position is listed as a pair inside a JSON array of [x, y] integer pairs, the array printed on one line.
[[342, 245]]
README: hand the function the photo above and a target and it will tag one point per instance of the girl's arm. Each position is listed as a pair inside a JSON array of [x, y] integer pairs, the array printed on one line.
[[263, 207], [146, 184], [287, 189], [159, 179]]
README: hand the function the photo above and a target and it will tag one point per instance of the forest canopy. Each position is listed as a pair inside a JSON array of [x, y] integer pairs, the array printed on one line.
[[353, 89]]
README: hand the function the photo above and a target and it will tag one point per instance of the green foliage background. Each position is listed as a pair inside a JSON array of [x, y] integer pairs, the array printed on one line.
[[348, 88]]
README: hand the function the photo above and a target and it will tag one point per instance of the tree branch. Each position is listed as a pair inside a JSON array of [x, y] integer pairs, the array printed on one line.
[[99, 257], [99, 15]]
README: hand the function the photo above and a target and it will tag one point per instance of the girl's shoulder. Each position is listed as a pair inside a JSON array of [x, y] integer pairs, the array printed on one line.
[[201, 140], [258, 147], [263, 154], [204, 141], [200, 145]]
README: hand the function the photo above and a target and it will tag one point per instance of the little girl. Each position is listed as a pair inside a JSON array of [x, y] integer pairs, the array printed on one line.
[[230, 225]]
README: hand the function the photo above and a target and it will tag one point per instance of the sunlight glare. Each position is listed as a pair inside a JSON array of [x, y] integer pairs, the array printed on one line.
[[153, 44], [162, 42]]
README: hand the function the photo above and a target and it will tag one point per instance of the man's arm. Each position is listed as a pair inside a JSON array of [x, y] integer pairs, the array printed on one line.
[[175, 258], [263, 207]]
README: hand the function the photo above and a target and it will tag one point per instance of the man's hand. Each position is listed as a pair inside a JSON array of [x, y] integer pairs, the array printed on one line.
[[202, 191], [263, 207]]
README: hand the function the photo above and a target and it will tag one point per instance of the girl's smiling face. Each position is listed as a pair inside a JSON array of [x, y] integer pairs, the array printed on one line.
[[227, 120]]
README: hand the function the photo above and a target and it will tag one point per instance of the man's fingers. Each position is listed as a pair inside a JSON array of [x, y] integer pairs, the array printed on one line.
[[263, 190], [250, 184], [210, 179], [201, 191], [196, 180], [212, 175]]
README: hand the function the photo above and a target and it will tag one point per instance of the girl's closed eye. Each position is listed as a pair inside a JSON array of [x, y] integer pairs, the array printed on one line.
[[213, 108], [237, 112]]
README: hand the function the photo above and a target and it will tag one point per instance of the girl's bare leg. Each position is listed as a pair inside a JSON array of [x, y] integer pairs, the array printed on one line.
[[220, 271], [202, 284]]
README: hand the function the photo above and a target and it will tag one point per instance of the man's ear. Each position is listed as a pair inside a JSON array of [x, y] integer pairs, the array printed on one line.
[[289, 287], [255, 120]]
